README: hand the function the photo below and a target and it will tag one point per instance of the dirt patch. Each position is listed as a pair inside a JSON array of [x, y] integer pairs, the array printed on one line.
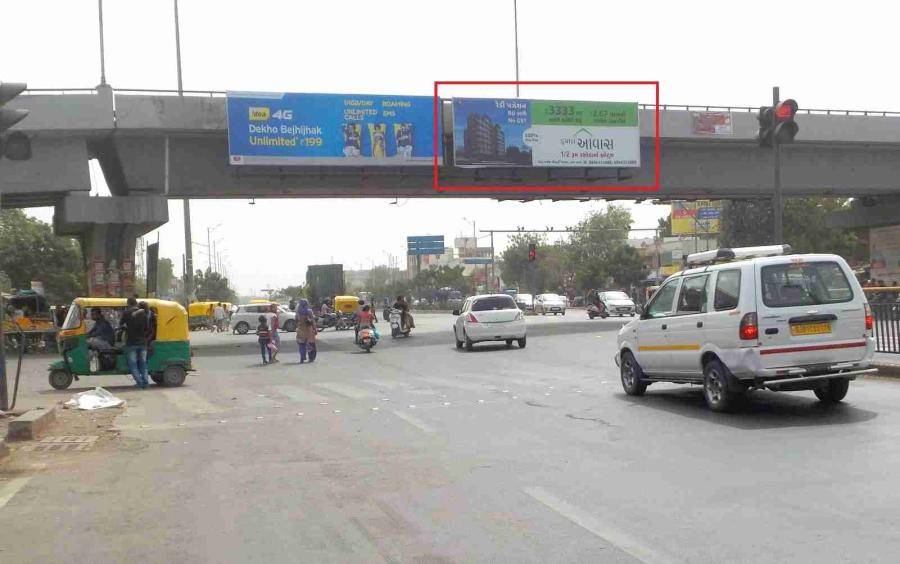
[[75, 435]]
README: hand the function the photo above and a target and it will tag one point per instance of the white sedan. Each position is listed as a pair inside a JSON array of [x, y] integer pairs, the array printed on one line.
[[550, 303], [489, 317]]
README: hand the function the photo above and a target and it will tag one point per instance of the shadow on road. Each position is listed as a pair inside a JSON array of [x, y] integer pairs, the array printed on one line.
[[761, 410]]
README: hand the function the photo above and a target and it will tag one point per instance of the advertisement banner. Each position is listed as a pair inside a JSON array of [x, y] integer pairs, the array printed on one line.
[[884, 253], [712, 123], [696, 218], [336, 129], [152, 263], [513, 132]]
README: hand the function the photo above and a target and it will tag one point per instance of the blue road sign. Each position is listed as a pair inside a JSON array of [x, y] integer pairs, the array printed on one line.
[[280, 128], [425, 245], [478, 260]]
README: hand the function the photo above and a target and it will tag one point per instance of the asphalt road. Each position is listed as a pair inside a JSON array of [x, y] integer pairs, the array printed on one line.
[[422, 453]]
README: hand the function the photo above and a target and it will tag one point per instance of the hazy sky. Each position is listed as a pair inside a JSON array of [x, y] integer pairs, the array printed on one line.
[[702, 52]]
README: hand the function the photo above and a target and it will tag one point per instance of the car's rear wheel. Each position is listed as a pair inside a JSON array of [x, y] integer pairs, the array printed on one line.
[[632, 376], [242, 328], [469, 343], [833, 391], [719, 397], [459, 344]]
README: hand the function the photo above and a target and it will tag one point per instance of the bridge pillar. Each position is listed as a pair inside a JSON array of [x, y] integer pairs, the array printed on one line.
[[107, 229]]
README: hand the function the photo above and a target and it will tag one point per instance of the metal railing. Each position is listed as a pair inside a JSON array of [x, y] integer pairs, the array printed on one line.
[[887, 326], [664, 107]]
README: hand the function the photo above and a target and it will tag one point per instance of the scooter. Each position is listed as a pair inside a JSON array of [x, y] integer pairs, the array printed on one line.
[[594, 310], [397, 326], [367, 338]]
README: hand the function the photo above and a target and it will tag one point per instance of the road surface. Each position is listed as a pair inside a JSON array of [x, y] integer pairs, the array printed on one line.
[[419, 452]]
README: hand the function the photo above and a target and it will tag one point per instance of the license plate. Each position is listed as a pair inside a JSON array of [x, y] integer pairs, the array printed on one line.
[[811, 328]]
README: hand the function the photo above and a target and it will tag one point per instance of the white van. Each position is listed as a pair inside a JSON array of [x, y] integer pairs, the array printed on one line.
[[752, 318]]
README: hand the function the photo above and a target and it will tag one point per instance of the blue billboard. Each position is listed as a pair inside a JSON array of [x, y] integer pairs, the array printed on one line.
[[321, 129], [425, 245]]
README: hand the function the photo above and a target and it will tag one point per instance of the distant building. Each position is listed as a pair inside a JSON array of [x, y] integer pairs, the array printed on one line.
[[483, 137]]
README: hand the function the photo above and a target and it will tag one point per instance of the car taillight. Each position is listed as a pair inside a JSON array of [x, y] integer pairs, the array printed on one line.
[[870, 319], [749, 330], [471, 318]]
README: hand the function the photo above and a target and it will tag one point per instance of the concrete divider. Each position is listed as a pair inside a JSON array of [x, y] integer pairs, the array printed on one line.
[[31, 424]]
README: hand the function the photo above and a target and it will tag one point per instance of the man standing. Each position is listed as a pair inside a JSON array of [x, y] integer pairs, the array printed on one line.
[[219, 316], [136, 325]]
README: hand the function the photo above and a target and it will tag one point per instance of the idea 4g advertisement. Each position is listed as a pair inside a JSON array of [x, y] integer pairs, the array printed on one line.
[[515, 132], [338, 129]]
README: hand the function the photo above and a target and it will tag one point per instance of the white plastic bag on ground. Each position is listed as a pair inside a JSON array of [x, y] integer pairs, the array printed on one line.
[[98, 398]]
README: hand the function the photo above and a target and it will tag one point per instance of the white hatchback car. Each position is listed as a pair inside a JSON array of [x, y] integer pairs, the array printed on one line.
[[489, 317], [752, 318], [246, 318], [549, 303]]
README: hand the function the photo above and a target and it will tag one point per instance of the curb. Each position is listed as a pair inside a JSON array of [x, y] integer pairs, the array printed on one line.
[[30, 424], [886, 370]]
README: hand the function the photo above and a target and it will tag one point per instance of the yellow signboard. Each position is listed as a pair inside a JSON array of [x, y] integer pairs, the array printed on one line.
[[699, 217]]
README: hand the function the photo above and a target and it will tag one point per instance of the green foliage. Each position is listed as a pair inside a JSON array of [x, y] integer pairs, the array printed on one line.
[[599, 251], [546, 274], [749, 223], [285, 294], [164, 277], [30, 251], [211, 286], [434, 279]]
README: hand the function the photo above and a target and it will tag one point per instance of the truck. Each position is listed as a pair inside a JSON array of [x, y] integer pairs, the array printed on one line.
[[324, 281]]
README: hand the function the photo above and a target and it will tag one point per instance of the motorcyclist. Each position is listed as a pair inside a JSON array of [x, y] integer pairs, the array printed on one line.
[[364, 318], [406, 319]]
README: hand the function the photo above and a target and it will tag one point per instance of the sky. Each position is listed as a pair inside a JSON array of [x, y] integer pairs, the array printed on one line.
[[701, 52]]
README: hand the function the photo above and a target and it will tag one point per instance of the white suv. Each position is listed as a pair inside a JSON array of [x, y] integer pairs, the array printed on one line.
[[246, 318], [752, 318]]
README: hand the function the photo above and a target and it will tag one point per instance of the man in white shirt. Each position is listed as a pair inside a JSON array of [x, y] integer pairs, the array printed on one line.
[[219, 316]]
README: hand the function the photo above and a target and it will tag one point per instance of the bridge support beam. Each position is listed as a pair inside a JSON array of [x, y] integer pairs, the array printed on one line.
[[107, 229], [867, 212]]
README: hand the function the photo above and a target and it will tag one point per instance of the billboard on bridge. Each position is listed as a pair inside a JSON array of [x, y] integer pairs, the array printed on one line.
[[515, 132], [696, 218], [338, 129]]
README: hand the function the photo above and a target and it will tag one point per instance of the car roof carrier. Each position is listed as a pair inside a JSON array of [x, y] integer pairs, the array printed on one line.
[[737, 253]]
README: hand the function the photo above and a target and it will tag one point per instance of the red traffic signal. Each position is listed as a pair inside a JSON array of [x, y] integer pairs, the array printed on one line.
[[786, 110], [532, 253], [787, 128]]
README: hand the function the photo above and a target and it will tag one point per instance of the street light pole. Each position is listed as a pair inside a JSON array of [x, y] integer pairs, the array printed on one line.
[[516, 25], [776, 153], [188, 250]]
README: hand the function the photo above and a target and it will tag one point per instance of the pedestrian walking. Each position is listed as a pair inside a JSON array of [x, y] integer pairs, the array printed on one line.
[[219, 316], [306, 331], [262, 335], [136, 325], [275, 338]]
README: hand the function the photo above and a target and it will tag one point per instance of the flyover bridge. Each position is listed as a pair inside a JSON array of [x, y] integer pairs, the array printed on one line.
[[153, 145]]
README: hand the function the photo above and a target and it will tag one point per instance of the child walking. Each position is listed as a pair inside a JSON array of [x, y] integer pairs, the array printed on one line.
[[262, 333]]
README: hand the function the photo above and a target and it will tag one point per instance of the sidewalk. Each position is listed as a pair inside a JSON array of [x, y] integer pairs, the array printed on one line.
[[888, 364]]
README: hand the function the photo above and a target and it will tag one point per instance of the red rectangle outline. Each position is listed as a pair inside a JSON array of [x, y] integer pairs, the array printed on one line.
[[538, 189]]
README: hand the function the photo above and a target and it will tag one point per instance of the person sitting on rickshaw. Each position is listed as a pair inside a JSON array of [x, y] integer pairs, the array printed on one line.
[[101, 336]]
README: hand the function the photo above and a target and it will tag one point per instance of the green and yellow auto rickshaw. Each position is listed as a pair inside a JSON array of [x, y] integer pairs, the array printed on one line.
[[169, 358]]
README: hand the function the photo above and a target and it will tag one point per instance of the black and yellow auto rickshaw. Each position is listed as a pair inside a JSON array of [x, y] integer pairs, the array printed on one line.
[[169, 358], [28, 317]]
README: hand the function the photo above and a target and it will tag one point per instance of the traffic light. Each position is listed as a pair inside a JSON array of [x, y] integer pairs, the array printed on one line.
[[16, 145], [786, 128], [777, 122], [766, 120], [532, 252]]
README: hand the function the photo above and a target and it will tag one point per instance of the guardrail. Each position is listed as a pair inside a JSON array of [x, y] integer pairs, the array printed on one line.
[[887, 326], [664, 107]]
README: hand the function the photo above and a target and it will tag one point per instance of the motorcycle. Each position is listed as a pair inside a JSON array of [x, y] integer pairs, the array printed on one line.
[[367, 338], [595, 310], [397, 326], [325, 321]]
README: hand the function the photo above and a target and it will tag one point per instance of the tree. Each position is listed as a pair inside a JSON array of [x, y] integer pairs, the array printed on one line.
[[664, 227], [290, 292], [749, 223], [212, 287], [30, 251], [545, 274], [164, 277], [598, 250]]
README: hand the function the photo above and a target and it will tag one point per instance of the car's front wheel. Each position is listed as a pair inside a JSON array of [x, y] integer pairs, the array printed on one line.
[[834, 391], [632, 376], [242, 328], [290, 325], [522, 343]]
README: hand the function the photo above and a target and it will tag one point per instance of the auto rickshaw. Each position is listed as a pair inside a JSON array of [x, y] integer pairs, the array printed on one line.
[[169, 358], [346, 305], [200, 315], [33, 322]]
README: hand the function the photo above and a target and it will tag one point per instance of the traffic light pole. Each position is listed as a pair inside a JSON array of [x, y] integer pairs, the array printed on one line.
[[776, 199]]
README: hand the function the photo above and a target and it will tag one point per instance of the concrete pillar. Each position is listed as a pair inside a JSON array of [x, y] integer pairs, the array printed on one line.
[[107, 229]]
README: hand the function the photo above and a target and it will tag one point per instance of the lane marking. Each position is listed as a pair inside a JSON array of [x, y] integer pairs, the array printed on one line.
[[592, 523], [298, 394], [345, 390], [415, 422], [190, 401], [11, 488]]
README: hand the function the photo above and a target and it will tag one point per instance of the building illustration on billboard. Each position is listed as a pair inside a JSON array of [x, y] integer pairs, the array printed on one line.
[[514, 132]]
